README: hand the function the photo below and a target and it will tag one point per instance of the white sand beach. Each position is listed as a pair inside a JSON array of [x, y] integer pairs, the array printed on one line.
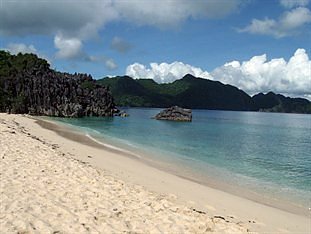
[[54, 180]]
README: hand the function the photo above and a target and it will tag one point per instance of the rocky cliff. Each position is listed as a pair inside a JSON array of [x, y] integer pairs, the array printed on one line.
[[28, 85]]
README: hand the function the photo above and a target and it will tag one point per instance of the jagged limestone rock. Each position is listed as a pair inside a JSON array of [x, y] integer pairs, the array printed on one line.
[[28, 85]]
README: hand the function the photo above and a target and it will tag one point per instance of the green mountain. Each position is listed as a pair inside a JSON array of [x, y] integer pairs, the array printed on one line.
[[198, 93], [272, 102], [188, 92], [129, 92]]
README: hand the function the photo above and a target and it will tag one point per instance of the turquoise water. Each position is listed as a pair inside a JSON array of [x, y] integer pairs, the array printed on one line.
[[268, 153]]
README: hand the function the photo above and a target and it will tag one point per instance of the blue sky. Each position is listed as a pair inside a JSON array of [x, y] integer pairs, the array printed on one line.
[[203, 37]]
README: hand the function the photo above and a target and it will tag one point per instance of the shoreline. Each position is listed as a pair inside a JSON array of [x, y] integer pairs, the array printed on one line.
[[258, 200], [46, 189], [208, 180], [255, 216], [70, 132]]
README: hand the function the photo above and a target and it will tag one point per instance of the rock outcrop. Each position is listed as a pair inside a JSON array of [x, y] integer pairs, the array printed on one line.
[[28, 85], [175, 113], [121, 114]]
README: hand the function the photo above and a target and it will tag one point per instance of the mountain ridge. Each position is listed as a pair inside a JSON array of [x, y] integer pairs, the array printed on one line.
[[198, 93]]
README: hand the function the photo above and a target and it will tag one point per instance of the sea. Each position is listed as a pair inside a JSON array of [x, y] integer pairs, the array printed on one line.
[[262, 156]]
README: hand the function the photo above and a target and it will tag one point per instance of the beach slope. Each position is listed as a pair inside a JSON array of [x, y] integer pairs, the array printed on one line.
[[46, 190], [54, 179]]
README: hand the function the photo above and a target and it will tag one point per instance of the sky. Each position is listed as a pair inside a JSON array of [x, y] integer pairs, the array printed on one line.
[[256, 45]]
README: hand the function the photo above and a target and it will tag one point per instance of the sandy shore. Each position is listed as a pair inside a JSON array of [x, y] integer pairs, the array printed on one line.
[[61, 181]]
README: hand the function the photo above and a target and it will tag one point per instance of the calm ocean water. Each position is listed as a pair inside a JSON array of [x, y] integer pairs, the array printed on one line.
[[267, 153]]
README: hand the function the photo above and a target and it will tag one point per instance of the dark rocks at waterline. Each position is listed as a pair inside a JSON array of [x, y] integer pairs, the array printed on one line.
[[28, 85], [121, 114], [175, 113]]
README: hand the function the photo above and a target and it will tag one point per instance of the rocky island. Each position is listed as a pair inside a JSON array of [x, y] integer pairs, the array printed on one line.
[[175, 113], [28, 85]]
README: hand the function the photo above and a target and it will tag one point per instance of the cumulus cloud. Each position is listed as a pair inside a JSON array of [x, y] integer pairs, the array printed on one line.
[[294, 3], [292, 77], [258, 74], [68, 48], [288, 24], [72, 49], [164, 72], [120, 45]]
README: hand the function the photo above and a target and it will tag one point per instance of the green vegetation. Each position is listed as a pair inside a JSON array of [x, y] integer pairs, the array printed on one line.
[[11, 65], [128, 92], [28, 85], [272, 102], [88, 85], [192, 92], [189, 92]]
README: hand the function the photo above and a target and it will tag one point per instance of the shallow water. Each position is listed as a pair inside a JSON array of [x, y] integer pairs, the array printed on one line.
[[267, 153]]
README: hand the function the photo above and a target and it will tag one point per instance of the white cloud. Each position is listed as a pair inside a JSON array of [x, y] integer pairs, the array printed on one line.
[[15, 48], [294, 3], [266, 26], [164, 72], [68, 48], [295, 18], [288, 24], [72, 49], [261, 75], [258, 74]]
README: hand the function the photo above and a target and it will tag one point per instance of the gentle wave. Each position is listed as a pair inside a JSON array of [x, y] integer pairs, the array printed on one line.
[[111, 146]]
